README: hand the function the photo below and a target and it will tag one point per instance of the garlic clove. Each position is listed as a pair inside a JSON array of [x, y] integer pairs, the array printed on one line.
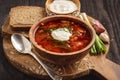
[[104, 37]]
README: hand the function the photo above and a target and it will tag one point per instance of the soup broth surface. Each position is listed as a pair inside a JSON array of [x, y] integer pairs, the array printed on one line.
[[62, 36]]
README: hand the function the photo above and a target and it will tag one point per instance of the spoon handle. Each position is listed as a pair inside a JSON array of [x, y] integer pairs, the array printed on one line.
[[50, 72]]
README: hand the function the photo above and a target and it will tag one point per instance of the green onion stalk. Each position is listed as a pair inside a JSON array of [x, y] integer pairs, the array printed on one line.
[[98, 47]]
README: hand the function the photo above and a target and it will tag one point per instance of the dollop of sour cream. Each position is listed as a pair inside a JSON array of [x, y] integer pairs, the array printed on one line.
[[63, 6], [61, 34]]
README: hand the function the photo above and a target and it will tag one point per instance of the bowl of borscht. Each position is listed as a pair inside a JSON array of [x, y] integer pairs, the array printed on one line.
[[62, 39]]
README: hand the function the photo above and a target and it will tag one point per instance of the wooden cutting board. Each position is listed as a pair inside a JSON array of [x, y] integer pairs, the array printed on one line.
[[97, 65]]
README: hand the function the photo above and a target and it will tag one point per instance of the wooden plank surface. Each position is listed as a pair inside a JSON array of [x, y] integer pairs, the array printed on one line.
[[107, 11]]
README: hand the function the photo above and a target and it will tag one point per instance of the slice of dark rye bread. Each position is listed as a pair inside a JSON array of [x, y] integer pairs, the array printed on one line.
[[8, 29], [25, 16]]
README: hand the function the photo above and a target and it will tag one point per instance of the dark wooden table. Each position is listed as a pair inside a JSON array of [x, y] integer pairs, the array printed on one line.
[[107, 11]]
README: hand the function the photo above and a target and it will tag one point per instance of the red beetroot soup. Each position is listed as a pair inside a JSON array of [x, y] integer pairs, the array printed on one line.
[[79, 36]]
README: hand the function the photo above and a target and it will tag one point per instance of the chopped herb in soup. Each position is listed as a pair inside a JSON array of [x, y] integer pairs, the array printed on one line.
[[62, 36]]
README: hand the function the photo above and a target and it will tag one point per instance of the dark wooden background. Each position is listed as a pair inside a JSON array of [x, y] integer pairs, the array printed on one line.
[[106, 11]]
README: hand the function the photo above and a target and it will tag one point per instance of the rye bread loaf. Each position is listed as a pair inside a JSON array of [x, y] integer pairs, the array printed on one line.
[[25, 16]]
